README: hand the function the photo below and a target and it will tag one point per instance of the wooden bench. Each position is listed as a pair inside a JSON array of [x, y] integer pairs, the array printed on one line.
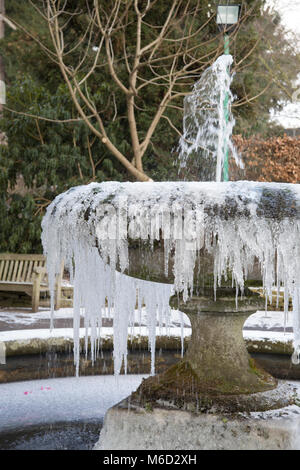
[[27, 273]]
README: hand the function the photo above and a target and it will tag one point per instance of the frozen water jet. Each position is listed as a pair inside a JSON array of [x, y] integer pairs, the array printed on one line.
[[208, 124]]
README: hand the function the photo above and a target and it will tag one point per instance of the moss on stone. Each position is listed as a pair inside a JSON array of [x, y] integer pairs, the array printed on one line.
[[181, 388]]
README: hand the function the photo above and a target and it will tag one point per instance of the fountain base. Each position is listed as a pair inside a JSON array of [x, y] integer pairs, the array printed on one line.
[[129, 427], [216, 397], [216, 372], [180, 387]]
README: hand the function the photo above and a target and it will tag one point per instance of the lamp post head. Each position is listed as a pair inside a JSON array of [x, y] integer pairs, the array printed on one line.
[[227, 16]]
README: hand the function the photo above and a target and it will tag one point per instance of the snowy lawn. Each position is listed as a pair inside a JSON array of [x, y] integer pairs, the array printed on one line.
[[258, 326]]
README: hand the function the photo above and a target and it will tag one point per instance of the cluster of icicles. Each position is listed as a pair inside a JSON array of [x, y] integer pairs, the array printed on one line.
[[88, 228]]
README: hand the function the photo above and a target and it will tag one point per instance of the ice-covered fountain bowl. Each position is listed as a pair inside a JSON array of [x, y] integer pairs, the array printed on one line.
[[162, 231], [208, 239]]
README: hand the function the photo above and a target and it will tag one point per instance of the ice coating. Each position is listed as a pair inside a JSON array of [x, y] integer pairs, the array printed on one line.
[[206, 127], [90, 227]]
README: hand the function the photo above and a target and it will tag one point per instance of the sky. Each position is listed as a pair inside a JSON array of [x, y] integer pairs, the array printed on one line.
[[290, 11], [289, 117]]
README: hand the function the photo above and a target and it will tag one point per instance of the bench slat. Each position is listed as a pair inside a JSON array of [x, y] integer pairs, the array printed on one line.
[[19, 271], [10, 271], [5, 270], [13, 278], [2, 263], [29, 271], [14, 256], [35, 265], [24, 270]]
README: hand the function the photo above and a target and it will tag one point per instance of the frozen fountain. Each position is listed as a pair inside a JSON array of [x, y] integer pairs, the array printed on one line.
[[204, 238], [195, 246]]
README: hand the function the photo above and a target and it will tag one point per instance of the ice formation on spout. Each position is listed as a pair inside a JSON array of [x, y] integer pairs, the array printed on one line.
[[89, 227], [206, 127]]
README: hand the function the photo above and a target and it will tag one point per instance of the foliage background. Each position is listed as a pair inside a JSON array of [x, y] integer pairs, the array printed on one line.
[[42, 158]]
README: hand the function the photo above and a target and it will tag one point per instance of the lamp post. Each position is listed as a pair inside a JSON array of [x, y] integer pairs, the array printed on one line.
[[227, 17]]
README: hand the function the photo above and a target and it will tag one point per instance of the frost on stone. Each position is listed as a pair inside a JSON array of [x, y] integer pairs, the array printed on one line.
[[91, 227], [208, 124]]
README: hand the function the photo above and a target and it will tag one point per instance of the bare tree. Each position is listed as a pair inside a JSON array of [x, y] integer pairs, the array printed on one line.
[[169, 58], [168, 53]]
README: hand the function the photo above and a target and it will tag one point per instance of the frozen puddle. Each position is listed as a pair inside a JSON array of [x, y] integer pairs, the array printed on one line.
[[41, 402]]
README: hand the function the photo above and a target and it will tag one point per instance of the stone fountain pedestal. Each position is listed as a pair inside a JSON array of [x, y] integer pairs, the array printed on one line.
[[216, 397]]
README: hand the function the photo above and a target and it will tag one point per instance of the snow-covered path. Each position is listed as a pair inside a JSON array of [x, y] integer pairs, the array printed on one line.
[[24, 325]]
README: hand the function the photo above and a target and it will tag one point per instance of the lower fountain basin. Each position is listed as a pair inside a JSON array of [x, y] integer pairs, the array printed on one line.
[[160, 428]]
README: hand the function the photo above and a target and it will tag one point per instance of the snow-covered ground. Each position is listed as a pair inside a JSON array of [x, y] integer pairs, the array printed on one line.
[[258, 326], [26, 317], [80, 399], [67, 333]]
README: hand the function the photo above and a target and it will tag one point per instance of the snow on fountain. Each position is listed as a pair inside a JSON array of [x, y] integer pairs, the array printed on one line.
[[90, 228], [206, 128]]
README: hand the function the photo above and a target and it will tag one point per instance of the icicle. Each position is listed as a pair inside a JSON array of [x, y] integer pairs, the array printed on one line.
[[296, 325], [182, 333]]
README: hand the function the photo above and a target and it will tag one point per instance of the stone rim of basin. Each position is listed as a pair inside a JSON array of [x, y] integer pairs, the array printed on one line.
[[274, 399]]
